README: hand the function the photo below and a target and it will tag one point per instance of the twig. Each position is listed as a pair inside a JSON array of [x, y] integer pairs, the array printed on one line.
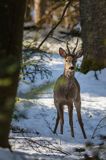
[[102, 126], [51, 31], [46, 145], [57, 149], [57, 39], [49, 11], [97, 127], [96, 76]]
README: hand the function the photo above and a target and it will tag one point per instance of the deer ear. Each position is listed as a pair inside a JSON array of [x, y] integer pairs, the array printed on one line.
[[62, 52]]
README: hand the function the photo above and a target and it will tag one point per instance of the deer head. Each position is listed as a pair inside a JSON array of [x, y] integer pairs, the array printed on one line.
[[70, 58]]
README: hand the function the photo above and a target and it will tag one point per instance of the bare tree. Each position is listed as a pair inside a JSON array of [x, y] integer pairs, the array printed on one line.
[[39, 7], [28, 10], [11, 28], [93, 21]]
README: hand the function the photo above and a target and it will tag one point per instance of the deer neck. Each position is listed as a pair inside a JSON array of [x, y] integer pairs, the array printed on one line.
[[69, 76], [69, 81]]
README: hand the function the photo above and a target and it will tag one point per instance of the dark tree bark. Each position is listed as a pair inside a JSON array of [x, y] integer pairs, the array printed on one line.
[[93, 22], [11, 28]]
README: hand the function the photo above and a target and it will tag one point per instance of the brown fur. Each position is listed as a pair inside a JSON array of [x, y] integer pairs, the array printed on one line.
[[67, 92]]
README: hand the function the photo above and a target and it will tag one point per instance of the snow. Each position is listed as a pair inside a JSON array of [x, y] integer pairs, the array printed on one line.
[[36, 115], [7, 155], [24, 87]]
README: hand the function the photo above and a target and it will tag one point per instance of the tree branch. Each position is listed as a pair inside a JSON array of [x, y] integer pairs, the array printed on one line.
[[51, 31], [97, 126], [49, 12]]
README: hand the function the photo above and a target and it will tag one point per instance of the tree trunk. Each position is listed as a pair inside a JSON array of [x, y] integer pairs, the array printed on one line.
[[39, 6], [93, 22], [28, 11], [11, 28]]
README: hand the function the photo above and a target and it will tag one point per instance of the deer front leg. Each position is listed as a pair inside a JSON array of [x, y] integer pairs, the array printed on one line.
[[61, 115], [60, 118], [70, 112], [57, 122], [78, 109]]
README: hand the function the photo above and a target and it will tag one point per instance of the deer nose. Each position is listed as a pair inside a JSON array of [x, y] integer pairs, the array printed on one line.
[[72, 68]]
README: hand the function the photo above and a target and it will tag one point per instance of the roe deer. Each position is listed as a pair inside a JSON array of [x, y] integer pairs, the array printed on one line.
[[67, 91]]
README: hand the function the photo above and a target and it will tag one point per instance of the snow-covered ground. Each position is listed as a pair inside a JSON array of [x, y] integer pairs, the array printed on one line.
[[34, 117], [36, 114]]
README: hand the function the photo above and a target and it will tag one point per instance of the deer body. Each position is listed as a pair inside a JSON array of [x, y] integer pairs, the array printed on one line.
[[67, 92]]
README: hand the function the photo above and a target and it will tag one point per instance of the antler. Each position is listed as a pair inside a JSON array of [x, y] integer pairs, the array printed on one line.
[[75, 47], [78, 53], [68, 48], [69, 52]]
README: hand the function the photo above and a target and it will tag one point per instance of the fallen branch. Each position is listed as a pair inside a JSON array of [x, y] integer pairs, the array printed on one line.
[[45, 144]]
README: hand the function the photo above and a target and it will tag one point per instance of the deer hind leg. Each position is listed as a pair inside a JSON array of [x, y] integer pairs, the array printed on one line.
[[78, 109], [70, 112]]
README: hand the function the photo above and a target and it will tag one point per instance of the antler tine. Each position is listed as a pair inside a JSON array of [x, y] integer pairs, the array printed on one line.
[[68, 48], [75, 47]]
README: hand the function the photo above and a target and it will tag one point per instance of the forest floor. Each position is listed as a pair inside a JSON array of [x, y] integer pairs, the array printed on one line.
[[35, 114]]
